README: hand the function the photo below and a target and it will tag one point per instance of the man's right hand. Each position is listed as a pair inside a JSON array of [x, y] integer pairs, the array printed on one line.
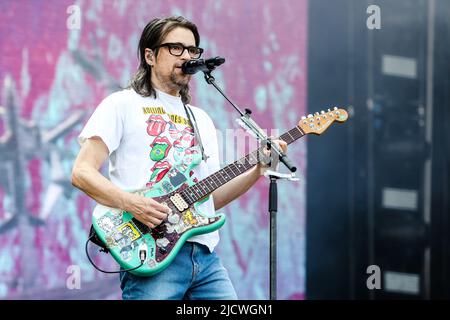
[[147, 210]]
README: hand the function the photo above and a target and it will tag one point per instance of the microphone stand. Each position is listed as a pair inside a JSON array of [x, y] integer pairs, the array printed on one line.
[[251, 126]]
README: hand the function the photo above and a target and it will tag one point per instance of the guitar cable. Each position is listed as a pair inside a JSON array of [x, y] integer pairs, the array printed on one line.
[[142, 257]]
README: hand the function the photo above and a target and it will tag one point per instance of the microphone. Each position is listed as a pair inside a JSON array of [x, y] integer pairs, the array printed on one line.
[[195, 65]]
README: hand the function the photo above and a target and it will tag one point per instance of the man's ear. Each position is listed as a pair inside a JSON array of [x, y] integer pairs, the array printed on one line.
[[149, 56]]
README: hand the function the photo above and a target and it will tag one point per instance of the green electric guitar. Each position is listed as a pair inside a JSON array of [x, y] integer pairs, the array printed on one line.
[[144, 251]]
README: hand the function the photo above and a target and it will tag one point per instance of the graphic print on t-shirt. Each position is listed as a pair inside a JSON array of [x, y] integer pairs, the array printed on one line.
[[173, 149], [155, 125], [160, 148]]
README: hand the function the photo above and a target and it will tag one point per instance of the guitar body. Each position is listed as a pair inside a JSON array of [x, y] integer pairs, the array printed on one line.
[[126, 237]]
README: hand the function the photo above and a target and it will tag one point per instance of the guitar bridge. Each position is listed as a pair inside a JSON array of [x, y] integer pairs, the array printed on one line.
[[179, 202]]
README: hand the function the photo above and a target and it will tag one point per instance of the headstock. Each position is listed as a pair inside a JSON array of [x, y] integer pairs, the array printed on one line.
[[319, 122]]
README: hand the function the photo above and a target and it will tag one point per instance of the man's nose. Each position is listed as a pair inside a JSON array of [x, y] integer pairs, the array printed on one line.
[[186, 54]]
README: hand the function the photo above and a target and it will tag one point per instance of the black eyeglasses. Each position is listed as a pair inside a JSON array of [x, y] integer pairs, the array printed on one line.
[[177, 49]]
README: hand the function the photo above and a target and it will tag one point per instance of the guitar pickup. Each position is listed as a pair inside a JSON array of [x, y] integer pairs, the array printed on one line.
[[179, 202]]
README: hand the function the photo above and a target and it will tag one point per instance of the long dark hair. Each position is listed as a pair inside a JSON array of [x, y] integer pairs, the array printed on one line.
[[153, 35]]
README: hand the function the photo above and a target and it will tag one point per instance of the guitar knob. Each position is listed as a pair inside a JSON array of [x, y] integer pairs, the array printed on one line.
[[322, 112], [335, 108], [303, 118], [310, 115]]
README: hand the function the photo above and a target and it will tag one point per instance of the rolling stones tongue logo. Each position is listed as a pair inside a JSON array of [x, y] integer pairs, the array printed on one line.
[[160, 148], [187, 159], [159, 171], [155, 125], [173, 131], [186, 140]]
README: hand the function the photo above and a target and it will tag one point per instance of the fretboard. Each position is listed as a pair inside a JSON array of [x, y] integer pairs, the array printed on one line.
[[206, 186]]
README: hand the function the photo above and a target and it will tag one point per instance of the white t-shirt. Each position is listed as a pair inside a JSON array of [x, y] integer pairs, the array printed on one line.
[[148, 137]]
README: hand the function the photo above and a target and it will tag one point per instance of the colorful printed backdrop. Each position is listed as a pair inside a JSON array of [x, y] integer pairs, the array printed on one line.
[[60, 58]]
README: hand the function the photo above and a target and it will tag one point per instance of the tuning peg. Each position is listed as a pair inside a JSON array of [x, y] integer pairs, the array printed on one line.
[[322, 112], [335, 108], [316, 113], [310, 115], [329, 110], [303, 118]]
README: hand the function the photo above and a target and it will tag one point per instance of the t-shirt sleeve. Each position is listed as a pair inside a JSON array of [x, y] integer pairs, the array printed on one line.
[[106, 123]]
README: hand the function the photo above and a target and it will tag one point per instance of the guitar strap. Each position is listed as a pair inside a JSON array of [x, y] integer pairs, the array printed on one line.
[[193, 123]]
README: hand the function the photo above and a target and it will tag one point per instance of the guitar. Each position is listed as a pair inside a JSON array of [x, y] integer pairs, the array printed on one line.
[[144, 251]]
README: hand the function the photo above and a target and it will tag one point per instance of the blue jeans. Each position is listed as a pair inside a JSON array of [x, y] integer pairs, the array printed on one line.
[[194, 274]]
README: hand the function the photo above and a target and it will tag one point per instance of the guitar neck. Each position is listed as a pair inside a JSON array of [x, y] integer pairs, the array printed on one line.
[[206, 186]]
